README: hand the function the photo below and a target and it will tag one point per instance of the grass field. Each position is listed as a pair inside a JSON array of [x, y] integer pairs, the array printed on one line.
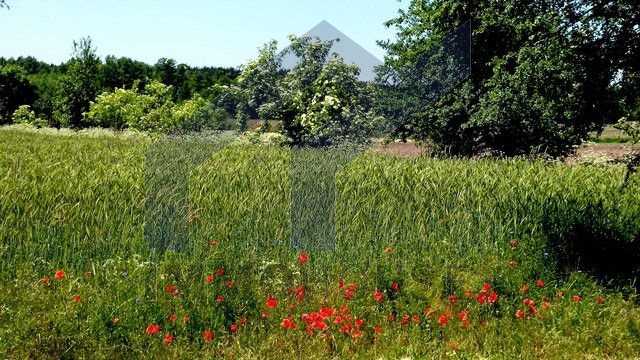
[[434, 258]]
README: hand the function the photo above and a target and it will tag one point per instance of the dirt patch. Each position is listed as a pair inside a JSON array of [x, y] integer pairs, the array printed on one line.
[[399, 149]]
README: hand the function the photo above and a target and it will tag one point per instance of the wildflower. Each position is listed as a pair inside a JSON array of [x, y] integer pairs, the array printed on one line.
[[219, 272], [528, 302], [271, 303], [88, 273], [532, 310], [514, 243], [186, 319], [59, 275], [233, 328], [116, 320], [415, 319], [213, 244], [350, 291], [173, 318], [428, 311], [512, 264], [288, 323], [152, 329], [539, 283], [300, 291], [453, 299], [405, 319], [599, 300], [229, 284], [172, 290], [391, 318], [378, 329], [77, 298], [45, 281], [344, 309], [576, 298], [389, 250], [463, 315], [546, 304], [359, 323], [378, 295], [465, 323], [453, 346], [209, 278], [520, 314], [243, 321], [486, 287], [303, 257], [208, 335], [468, 294], [525, 288], [443, 320], [326, 312], [481, 298], [356, 334], [395, 286], [493, 297], [168, 339], [220, 299]]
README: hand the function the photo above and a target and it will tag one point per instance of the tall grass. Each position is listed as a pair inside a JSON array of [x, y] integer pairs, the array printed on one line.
[[78, 203]]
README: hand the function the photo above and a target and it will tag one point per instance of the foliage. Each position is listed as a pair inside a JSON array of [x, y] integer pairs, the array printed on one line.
[[80, 86], [24, 115], [119, 109], [197, 114], [631, 129], [461, 238], [15, 90], [542, 72]]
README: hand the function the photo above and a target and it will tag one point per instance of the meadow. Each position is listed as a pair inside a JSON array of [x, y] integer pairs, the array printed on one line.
[[433, 258]]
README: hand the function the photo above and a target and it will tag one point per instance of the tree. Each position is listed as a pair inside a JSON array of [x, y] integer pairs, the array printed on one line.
[[15, 90], [81, 84], [541, 79], [123, 72]]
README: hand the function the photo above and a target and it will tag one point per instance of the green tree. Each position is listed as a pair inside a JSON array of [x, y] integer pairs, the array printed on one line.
[[15, 90], [81, 84]]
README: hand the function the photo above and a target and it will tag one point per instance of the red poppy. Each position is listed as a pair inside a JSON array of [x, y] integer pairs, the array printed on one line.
[[213, 243], [428, 311], [152, 329], [528, 302], [468, 293], [344, 308], [539, 283], [546, 304], [186, 319], [271, 303], [525, 288], [45, 281], [208, 335], [391, 318], [173, 318], [453, 299], [463, 315], [514, 243], [378, 329], [359, 322], [356, 334], [395, 286], [220, 272], [599, 300], [453, 346], [59, 275], [512, 264], [220, 299], [233, 328], [168, 339], [303, 257], [209, 278], [415, 319], [264, 315], [493, 297], [443, 320], [379, 296], [576, 298], [116, 320], [532, 310], [481, 298], [288, 323], [486, 287], [326, 312], [243, 321], [389, 250], [172, 289], [405, 319], [465, 323], [229, 284], [77, 298], [520, 314]]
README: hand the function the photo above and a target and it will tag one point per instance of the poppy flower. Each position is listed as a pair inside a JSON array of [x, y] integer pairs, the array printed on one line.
[[213, 243], [220, 299], [486, 287], [443, 320], [378, 329], [186, 319], [520, 314], [405, 319], [172, 289], [463, 315], [326, 312], [453, 299], [512, 264], [356, 334], [546, 304], [389, 250], [528, 302], [173, 318], [77, 298], [59, 275], [514, 243], [344, 308], [532, 310], [468, 294], [465, 323], [209, 278], [415, 319], [539, 283], [493, 297], [576, 298], [395, 286], [220, 272], [525, 288], [453, 346], [288, 323], [599, 300], [359, 323], [391, 318], [303, 257], [169, 338], [229, 284], [233, 328], [208, 335], [45, 281], [152, 329], [481, 298], [243, 321], [271, 303], [379, 296], [264, 315]]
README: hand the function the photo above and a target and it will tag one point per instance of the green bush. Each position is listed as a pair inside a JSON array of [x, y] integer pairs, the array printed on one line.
[[24, 115]]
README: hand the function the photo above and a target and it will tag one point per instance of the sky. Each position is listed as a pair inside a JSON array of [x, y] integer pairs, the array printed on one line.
[[194, 32]]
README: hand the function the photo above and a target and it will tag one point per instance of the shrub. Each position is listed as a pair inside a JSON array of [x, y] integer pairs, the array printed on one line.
[[197, 114], [24, 115]]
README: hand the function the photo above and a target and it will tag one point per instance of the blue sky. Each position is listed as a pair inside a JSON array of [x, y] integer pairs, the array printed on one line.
[[195, 32]]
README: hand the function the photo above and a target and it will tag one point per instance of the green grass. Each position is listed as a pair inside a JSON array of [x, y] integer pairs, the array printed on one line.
[[77, 203]]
